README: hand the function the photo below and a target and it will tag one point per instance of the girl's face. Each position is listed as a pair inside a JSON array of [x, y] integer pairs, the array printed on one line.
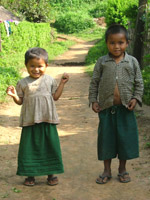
[[36, 67], [117, 44]]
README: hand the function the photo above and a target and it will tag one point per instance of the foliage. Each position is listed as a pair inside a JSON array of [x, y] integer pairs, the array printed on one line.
[[70, 3], [35, 10], [100, 49], [24, 36], [73, 22], [8, 76], [99, 9], [31, 10], [119, 11], [146, 77], [91, 34]]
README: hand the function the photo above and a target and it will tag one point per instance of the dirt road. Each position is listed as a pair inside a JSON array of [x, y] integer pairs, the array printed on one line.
[[78, 137]]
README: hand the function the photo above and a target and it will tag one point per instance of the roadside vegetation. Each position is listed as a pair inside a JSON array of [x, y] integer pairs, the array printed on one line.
[[71, 17]]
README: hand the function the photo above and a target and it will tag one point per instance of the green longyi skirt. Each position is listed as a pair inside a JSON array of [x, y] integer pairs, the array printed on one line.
[[39, 151]]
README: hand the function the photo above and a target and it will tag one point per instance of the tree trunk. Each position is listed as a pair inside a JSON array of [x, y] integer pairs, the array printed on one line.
[[139, 32]]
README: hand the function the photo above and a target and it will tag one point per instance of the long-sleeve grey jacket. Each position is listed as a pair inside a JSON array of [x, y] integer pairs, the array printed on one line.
[[107, 73]]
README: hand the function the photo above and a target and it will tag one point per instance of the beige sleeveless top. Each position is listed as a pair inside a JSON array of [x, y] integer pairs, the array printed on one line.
[[38, 104]]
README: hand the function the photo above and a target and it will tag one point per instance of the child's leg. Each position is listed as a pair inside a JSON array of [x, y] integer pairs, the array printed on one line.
[[52, 180], [106, 174], [123, 174]]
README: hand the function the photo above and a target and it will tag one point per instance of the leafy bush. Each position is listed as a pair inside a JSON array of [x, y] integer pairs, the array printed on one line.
[[25, 35], [146, 77], [99, 9], [8, 76], [119, 11], [100, 49], [73, 22], [35, 11], [31, 10]]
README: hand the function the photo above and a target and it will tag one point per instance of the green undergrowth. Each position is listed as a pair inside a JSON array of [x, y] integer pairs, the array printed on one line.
[[94, 33], [100, 49]]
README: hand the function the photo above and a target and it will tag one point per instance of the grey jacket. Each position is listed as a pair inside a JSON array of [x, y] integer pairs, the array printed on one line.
[[107, 73]]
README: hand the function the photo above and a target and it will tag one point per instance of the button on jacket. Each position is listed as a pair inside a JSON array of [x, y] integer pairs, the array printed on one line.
[[107, 73]]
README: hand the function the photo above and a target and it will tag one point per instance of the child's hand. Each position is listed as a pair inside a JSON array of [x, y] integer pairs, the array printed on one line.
[[132, 104], [65, 78], [11, 91], [96, 108]]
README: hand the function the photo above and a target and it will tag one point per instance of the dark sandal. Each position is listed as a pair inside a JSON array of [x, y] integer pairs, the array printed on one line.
[[102, 177], [125, 176], [51, 179], [30, 181]]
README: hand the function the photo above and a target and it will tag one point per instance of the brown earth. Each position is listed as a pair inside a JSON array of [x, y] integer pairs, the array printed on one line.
[[78, 137]]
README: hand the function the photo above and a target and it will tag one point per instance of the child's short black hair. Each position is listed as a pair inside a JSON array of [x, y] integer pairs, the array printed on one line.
[[116, 28], [36, 52]]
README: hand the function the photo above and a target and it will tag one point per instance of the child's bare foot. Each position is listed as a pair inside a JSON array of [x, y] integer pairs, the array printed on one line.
[[30, 181], [52, 180]]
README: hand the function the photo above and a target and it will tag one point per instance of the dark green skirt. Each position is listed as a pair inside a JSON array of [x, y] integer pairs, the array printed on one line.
[[39, 151]]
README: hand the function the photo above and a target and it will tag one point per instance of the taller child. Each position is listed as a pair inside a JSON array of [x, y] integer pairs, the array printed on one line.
[[115, 88], [39, 150]]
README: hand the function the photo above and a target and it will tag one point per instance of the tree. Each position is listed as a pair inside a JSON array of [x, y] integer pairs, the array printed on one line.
[[139, 32]]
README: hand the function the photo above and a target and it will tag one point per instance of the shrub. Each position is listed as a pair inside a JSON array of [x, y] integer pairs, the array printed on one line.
[[99, 9], [100, 49], [119, 11], [25, 35], [8, 76], [31, 10], [35, 11], [73, 22], [146, 77]]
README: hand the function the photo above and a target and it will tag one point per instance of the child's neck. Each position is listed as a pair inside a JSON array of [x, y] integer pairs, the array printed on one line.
[[118, 59]]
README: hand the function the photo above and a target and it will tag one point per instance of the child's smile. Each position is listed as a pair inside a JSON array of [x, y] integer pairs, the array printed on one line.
[[117, 44], [36, 67]]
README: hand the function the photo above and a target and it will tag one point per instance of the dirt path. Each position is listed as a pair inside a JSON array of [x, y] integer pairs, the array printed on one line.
[[78, 137]]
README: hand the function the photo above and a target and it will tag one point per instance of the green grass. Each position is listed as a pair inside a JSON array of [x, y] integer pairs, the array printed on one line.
[[94, 33]]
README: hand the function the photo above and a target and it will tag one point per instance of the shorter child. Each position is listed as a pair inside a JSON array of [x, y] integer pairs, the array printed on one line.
[[115, 88], [39, 150]]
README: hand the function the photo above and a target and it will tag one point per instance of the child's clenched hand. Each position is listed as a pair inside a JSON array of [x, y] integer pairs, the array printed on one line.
[[132, 104], [65, 78], [96, 108]]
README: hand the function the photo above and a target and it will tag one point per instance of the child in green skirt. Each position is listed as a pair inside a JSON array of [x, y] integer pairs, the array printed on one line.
[[115, 88], [39, 149]]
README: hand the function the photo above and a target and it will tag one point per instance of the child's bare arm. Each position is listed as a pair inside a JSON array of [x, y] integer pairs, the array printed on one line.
[[11, 91], [60, 88]]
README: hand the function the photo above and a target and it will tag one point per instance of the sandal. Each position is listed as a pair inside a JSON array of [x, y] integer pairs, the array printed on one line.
[[124, 177], [52, 180], [100, 179], [30, 181]]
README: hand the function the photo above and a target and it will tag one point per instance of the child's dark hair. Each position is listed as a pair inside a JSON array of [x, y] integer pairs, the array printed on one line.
[[116, 28], [36, 52]]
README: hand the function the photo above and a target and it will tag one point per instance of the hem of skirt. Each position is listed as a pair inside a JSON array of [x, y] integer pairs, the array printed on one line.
[[38, 122], [40, 174]]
